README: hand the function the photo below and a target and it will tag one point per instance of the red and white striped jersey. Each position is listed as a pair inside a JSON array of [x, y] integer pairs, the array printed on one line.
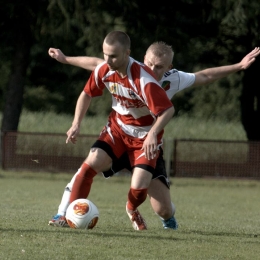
[[137, 98]]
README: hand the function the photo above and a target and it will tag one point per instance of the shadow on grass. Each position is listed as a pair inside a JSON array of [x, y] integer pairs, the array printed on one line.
[[169, 235], [221, 234], [57, 176]]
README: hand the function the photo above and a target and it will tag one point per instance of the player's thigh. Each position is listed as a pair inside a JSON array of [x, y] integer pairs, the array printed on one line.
[[141, 178], [98, 159], [159, 194]]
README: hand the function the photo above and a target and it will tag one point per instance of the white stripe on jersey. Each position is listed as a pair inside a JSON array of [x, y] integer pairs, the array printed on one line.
[[136, 131], [131, 96], [158, 148]]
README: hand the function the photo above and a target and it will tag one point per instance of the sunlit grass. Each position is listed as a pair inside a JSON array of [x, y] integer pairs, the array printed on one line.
[[178, 127], [194, 128], [49, 122], [218, 219]]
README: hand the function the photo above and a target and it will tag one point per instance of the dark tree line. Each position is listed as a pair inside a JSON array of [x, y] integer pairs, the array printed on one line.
[[202, 33]]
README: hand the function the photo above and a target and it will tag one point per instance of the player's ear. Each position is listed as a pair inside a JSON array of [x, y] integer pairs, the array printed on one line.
[[170, 67]]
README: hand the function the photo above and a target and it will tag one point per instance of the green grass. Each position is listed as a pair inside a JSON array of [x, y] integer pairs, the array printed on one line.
[[218, 219], [179, 127]]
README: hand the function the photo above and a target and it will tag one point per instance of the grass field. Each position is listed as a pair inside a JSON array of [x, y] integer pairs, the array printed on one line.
[[178, 127], [218, 219]]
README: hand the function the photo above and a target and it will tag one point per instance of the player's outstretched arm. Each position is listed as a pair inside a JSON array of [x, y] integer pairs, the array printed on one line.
[[82, 106], [207, 76], [85, 62]]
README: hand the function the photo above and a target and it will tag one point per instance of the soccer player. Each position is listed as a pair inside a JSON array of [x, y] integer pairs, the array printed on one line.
[[159, 58], [140, 111]]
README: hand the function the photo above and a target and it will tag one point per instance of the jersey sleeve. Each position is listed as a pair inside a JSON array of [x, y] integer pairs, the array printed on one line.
[[157, 99], [175, 81], [94, 86]]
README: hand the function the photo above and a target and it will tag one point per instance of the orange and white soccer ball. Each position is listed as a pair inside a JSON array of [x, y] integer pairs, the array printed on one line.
[[82, 214]]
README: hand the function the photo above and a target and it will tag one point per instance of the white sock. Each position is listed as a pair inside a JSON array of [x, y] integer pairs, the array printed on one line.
[[65, 201]]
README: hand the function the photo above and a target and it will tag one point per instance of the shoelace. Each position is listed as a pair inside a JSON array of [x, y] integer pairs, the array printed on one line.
[[137, 217]]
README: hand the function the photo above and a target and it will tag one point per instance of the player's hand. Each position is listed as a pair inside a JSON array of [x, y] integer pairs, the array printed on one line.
[[250, 58], [150, 146], [72, 134], [57, 54]]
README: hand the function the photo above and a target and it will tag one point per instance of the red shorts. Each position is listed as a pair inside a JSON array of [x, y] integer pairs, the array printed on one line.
[[119, 142]]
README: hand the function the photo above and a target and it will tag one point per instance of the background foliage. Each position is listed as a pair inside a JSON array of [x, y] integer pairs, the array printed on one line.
[[215, 33]]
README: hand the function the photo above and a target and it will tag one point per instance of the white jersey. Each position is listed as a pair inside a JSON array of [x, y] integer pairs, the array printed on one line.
[[174, 81]]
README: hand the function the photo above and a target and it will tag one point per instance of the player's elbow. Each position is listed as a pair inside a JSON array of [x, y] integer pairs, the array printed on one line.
[[202, 79], [171, 111]]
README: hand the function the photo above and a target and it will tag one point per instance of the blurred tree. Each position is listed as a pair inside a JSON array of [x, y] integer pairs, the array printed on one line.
[[77, 28], [28, 29], [250, 102], [215, 33], [18, 18], [239, 33], [234, 29]]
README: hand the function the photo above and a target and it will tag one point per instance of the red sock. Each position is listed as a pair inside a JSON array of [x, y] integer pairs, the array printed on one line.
[[136, 197], [82, 184]]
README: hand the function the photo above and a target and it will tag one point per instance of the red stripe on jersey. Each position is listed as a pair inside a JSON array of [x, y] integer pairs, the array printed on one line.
[[160, 103], [152, 89], [137, 97], [95, 85], [142, 121]]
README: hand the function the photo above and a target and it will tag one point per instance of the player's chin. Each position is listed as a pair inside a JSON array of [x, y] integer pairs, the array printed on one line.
[[111, 67]]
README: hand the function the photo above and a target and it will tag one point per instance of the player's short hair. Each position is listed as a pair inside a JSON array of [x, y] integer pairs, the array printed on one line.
[[161, 49], [118, 36]]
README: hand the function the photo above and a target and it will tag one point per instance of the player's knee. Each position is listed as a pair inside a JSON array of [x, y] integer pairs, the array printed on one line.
[[164, 211]]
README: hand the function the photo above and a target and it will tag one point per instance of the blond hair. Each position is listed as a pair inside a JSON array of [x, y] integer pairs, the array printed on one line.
[[161, 49]]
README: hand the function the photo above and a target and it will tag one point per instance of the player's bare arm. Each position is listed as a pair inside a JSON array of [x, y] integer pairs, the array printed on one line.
[[150, 143], [210, 75], [85, 62], [80, 111]]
